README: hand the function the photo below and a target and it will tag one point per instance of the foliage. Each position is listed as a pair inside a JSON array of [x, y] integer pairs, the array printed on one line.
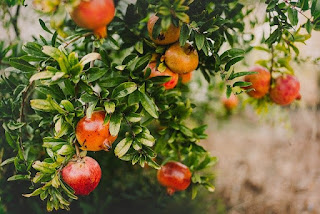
[[54, 81]]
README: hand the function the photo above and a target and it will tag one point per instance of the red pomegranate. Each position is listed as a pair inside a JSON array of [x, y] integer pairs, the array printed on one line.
[[285, 90], [175, 176], [155, 72], [82, 175], [94, 15]]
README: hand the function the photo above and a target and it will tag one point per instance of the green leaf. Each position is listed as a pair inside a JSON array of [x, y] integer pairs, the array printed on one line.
[[115, 123], [210, 187], [147, 140], [54, 39], [134, 98], [194, 191], [53, 52], [41, 105], [66, 150], [184, 34], [109, 107], [308, 26], [94, 74], [242, 84], [89, 58], [10, 140], [8, 161], [160, 79], [90, 109], [153, 164], [133, 117], [55, 105], [124, 89], [34, 49], [149, 105], [143, 62], [315, 8], [41, 75], [165, 23], [199, 38], [44, 27], [44, 167], [68, 106], [87, 98], [293, 16], [22, 65], [232, 62], [240, 74], [68, 190], [19, 177], [122, 147], [156, 29], [34, 193], [273, 37], [112, 82]]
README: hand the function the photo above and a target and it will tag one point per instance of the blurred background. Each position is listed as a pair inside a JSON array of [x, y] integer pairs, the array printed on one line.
[[268, 163]]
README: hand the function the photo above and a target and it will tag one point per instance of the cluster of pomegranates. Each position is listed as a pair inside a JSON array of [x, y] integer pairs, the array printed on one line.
[[283, 92], [180, 61], [83, 174]]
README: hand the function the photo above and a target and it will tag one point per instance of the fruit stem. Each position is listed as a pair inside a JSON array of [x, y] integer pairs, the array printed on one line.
[[77, 150], [272, 62], [100, 32], [170, 191]]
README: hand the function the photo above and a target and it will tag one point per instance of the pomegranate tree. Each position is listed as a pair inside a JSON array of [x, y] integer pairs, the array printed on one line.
[[67, 89]]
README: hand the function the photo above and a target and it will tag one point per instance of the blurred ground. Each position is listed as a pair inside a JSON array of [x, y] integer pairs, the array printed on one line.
[[263, 170]]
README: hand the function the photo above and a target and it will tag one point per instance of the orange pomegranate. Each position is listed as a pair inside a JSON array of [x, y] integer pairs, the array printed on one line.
[[164, 38], [260, 82], [94, 15], [175, 176], [181, 60], [92, 134], [186, 78], [231, 102]]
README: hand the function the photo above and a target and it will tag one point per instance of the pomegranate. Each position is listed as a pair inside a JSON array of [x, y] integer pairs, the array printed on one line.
[[285, 90], [155, 72], [186, 78], [164, 38], [92, 134], [231, 102], [94, 15], [175, 176], [181, 59], [82, 175], [260, 82]]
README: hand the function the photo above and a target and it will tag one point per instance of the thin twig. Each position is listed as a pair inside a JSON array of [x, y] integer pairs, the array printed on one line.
[[92, 62], [295, 8], [14, 21], [21, 117], [76, 38]]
